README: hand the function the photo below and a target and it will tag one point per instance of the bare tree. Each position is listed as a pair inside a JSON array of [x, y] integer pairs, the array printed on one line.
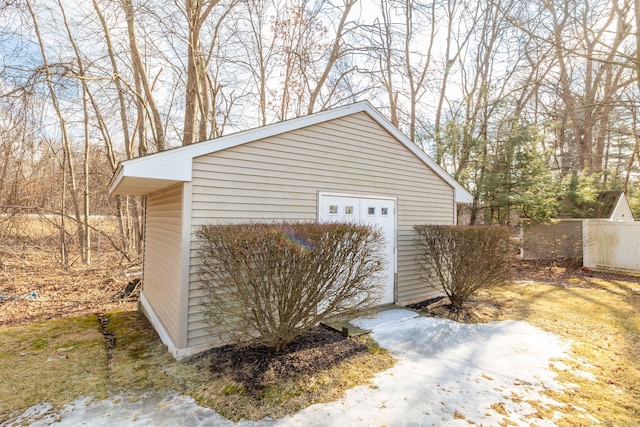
[[145, 102], [453, 11], [403, 39], [69, 174], [201, 90], [254, 25], [337, 51], [587, 42]]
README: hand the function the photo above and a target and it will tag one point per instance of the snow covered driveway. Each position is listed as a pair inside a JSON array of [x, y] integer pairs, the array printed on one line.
[[448, 374]]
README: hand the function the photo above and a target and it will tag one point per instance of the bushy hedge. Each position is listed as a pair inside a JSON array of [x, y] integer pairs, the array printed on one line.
[[464, 259], [267, 283]]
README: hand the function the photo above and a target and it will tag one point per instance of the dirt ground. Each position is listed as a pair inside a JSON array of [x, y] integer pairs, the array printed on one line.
[[569, 275], [34, 287]]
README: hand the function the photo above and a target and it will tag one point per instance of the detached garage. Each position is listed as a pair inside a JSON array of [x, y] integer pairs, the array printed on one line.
[[349, 163]]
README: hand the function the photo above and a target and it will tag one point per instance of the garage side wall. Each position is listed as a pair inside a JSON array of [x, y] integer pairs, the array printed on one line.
[[161, 282], [278, 178]]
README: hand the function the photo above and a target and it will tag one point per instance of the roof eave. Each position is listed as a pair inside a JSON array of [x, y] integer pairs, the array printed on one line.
[[174, 165], [140, 176]]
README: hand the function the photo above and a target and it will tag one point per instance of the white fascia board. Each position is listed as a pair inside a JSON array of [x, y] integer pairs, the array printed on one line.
[[461, 195], [176, 164], [116, 179], [169, 169], [176, 168]]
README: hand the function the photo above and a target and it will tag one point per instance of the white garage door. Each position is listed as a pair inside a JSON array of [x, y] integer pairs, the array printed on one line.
[[379, 212]]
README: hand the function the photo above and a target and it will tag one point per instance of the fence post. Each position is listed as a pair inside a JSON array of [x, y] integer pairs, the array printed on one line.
[[586, 256]]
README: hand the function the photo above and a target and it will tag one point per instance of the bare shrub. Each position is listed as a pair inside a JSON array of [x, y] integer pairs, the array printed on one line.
[[464, 259], [266, 284]]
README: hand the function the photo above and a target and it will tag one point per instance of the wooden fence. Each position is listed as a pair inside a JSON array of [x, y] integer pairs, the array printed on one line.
[[559, 241]]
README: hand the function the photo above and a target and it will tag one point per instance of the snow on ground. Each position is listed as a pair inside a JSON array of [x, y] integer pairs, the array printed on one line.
[[448, 374]]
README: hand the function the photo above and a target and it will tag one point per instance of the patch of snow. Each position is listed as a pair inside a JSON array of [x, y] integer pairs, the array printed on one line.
[[35, 412], [384, 317], [150, 409], [444, 368], [561, 366]]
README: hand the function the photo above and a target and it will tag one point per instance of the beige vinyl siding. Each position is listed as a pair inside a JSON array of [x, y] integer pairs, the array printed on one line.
[[279, 178], [562, 240], [161, 284]]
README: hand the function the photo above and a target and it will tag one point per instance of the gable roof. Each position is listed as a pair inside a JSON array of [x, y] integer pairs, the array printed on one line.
[[606, 203], [144, 175]]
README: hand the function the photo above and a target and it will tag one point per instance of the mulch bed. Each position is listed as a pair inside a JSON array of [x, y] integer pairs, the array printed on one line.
[[425, 303], [258, 367]]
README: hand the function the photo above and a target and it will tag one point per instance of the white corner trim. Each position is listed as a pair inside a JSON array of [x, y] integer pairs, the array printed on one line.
[[185, 264]]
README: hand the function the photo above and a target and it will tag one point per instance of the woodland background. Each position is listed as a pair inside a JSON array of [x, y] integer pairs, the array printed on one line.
[[524, 103]]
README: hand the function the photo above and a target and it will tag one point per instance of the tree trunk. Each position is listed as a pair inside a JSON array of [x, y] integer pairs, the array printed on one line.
[[68, 168], [145, 97]]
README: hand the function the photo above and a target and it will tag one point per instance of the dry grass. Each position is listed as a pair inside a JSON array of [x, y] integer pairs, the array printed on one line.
[[58, 361], [601, 318], [44, 229], [604, 325], [54, 361], [139, 361]]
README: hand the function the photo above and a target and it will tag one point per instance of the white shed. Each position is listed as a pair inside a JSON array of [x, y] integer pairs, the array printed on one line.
[[349, 162]]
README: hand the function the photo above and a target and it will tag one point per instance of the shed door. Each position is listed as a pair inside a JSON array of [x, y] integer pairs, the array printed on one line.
[[372, 211]]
